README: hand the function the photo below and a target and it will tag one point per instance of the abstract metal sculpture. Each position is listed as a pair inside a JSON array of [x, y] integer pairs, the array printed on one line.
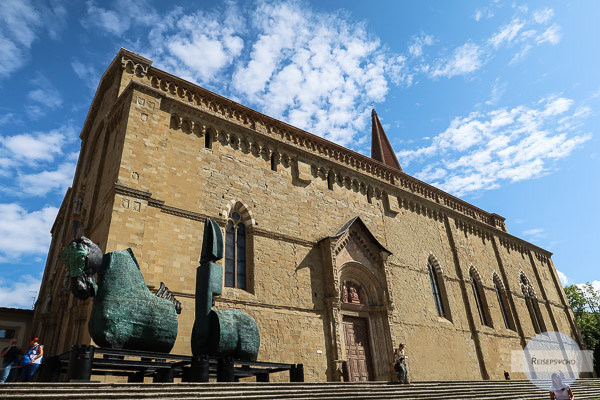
[[125, 314], [225, 333]]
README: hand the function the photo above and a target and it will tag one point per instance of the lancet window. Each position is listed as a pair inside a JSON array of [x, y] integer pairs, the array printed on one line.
[[503, 301], [480, 299], [435, 289], [532, 305], [235, 252], [438, 288]]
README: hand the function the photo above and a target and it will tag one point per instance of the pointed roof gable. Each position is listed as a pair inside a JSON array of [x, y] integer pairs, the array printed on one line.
[[359, 222], [381, 149]]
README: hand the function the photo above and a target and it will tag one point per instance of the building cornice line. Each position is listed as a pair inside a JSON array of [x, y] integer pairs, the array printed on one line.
[[200, 98], [470, 215]]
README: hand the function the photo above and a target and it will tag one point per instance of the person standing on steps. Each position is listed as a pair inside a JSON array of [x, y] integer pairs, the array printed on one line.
[[560, 390], [11, 360], [400, 364], [32, 360]]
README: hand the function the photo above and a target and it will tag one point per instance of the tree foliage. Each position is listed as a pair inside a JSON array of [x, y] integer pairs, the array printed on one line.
[[585, 303]]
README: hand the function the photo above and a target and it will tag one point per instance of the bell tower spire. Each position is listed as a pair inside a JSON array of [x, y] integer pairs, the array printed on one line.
[[381, 149]]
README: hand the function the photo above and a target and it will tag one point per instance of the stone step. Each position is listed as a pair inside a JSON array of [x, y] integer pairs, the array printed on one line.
[[468, 390]]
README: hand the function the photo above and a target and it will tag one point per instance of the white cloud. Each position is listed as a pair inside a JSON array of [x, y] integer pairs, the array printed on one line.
[[544, 15], [20, 24], [6, 118], [482, 13], [465, 59], [121, 17], [507, 34], [484, 149], [39, 184], [521, 54], [198, 54], [23, 232], [417, 44], [498, 90], [20, 294], [563, 278], [87, 73], [551, 35], [314, 70], [533, 232], [595, 284], [43, 97], [39, 146]]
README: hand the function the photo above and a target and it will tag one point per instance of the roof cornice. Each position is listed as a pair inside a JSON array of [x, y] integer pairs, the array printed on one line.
[[141, 70]]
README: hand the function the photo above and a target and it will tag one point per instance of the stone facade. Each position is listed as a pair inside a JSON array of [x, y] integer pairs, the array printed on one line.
[[160, 154]]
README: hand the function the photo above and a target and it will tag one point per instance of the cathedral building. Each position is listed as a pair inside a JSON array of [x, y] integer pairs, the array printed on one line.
[[337, 256]]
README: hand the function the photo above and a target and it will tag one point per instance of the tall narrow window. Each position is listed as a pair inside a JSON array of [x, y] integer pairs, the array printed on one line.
[[230, 255], [208, 139], [532, 305], [235, 252], [330, 180], [435, 288], [480, 300], [502, 306], [273, 162]]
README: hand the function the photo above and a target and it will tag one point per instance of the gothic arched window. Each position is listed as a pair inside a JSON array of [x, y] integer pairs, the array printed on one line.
[[435, 288], [235, 252], [438, 288], [532, 305], [503, 301], [480, 300]]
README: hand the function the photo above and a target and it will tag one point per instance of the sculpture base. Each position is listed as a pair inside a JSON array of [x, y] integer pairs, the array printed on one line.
[[83, 362]]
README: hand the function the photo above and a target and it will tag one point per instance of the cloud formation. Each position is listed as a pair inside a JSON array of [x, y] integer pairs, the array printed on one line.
[[483, 149], [21, 294], [24, 232], [120, 18], [317, 71], [21, 22]]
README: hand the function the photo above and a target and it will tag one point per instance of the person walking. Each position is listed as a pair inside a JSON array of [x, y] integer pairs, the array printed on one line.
[[11, 360], [32, 360], [400, 364]]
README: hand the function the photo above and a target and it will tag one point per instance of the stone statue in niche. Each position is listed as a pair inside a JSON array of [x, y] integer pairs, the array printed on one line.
[[352, 293], [225, 333], [125, 314]]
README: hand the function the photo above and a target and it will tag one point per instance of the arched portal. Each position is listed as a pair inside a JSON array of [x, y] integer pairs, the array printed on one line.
[[359, 331], [363, 322]]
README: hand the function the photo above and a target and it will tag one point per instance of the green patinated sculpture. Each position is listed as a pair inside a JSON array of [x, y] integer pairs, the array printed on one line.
[[231, 333], [125, 314]]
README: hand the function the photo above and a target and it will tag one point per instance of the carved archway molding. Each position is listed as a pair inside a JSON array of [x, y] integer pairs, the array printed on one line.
[[362, 262], [436, 264], [356, 272], [242, 208], [498, 282]]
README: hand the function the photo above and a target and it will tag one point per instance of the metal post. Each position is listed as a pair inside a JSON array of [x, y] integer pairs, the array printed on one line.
[[80, 363], [200, 369], [297, 373], [225, 371], [137, 377], [163, 375], [262, 377]]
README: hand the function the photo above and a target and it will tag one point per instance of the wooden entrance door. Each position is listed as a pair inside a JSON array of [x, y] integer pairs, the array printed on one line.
[[356, 335]]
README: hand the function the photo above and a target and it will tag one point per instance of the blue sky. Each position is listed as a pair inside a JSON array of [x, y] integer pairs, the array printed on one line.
[[495, 102]]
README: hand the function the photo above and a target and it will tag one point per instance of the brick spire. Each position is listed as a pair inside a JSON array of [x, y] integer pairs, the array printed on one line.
[[381, 149]]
